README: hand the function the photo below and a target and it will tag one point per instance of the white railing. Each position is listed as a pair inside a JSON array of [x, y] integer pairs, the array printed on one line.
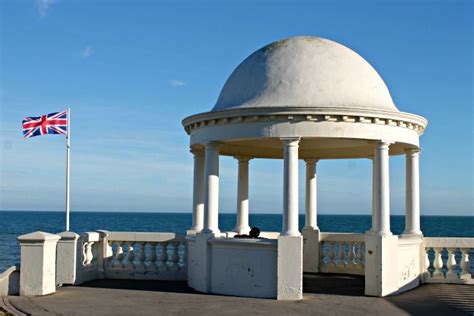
[[447, 260], [342, 253], [150, 256]]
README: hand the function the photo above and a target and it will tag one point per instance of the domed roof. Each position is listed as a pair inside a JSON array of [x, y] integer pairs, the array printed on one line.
[[305, 72]]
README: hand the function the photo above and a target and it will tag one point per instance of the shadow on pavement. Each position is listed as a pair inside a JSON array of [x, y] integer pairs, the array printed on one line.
[[335, 284], [142, 285]]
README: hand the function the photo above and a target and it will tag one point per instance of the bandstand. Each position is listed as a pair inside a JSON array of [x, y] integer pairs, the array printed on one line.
[[302, 98]]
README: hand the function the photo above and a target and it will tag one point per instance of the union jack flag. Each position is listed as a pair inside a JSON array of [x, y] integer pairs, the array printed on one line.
[[53, 123]]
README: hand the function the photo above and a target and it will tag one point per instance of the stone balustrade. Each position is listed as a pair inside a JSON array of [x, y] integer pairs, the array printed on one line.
[[150, 256], [342, 253], [446, 260]]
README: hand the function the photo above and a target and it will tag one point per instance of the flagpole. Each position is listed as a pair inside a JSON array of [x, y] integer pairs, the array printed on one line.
[[68, 149]]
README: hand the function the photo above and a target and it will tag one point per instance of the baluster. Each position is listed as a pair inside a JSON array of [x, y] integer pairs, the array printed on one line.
[[351, 261], [152, 261], [130, 255], [164, 255], [331, 254], [119, 256], [465, 264], [185, 253], [451, 264], [341, 254], [84, 254], [89, 255], [141, 256], [426, 272], [360, 253], [110, 261], [438, 264], [175, 256]]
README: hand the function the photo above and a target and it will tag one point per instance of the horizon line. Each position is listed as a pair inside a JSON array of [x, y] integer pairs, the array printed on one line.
[[187, 212]]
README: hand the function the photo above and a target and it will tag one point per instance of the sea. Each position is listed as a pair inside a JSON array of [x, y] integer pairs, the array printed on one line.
[[16, 223]]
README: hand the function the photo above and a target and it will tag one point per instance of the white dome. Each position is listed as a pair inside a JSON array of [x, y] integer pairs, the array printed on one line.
[[305, 72]]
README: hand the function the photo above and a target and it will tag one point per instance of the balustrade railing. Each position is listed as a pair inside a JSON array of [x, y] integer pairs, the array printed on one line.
[[160, 256], [447, 260], [342, 253]]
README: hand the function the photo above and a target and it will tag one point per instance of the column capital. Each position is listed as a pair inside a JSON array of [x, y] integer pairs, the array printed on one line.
[[197, 152], [290, 141], [383, 144], [310, 161], [243, 159], [413, 152], [212, 144]]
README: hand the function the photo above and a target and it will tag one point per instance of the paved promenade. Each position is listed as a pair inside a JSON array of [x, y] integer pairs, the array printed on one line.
[[333, 295]]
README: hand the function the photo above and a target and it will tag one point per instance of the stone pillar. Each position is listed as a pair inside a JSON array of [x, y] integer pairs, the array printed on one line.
[[290, 187], [290, 241], [375, 215], [311, 195], [412, 206], [68, 259], [242, 222], [198, 192], [381, 247], [382, 189], [311, 230], [38, 263], [211, 171]]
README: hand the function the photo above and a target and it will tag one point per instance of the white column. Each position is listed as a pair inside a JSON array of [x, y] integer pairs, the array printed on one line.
[[412, 211], [375, 215], [382, 188], [198, 191], [290, 187], [242, 223], [311, 195], [211, 207]]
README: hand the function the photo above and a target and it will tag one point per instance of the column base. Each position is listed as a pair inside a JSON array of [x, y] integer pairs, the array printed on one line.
[[291, 234], [381, 234], [411, 234], [208, 231]]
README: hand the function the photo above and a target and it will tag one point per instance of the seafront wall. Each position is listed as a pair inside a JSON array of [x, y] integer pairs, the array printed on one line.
[[402, 263]]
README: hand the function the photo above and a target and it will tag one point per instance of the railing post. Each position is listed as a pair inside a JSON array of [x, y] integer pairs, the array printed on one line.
[[38, 263], [104, 253], [68, 259]]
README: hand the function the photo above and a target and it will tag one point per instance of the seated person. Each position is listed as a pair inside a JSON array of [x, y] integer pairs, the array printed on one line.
[[254, 233]]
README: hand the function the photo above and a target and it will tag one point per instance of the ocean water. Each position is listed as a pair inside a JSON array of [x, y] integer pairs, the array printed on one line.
[[13, 224]]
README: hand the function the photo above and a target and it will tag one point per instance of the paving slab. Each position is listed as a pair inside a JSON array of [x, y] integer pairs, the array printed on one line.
[[324, 295]]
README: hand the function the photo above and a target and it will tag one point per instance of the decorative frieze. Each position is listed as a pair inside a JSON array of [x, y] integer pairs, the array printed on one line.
[[190, 127]]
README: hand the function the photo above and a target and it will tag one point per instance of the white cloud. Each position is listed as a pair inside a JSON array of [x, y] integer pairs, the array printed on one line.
[[87, 52], [43, 6], [177, 83]]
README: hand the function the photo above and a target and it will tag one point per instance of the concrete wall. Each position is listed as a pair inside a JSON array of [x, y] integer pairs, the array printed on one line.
[[244, 267]]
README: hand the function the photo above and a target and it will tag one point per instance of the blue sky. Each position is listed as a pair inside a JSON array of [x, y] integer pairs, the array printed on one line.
[[132, 70]]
